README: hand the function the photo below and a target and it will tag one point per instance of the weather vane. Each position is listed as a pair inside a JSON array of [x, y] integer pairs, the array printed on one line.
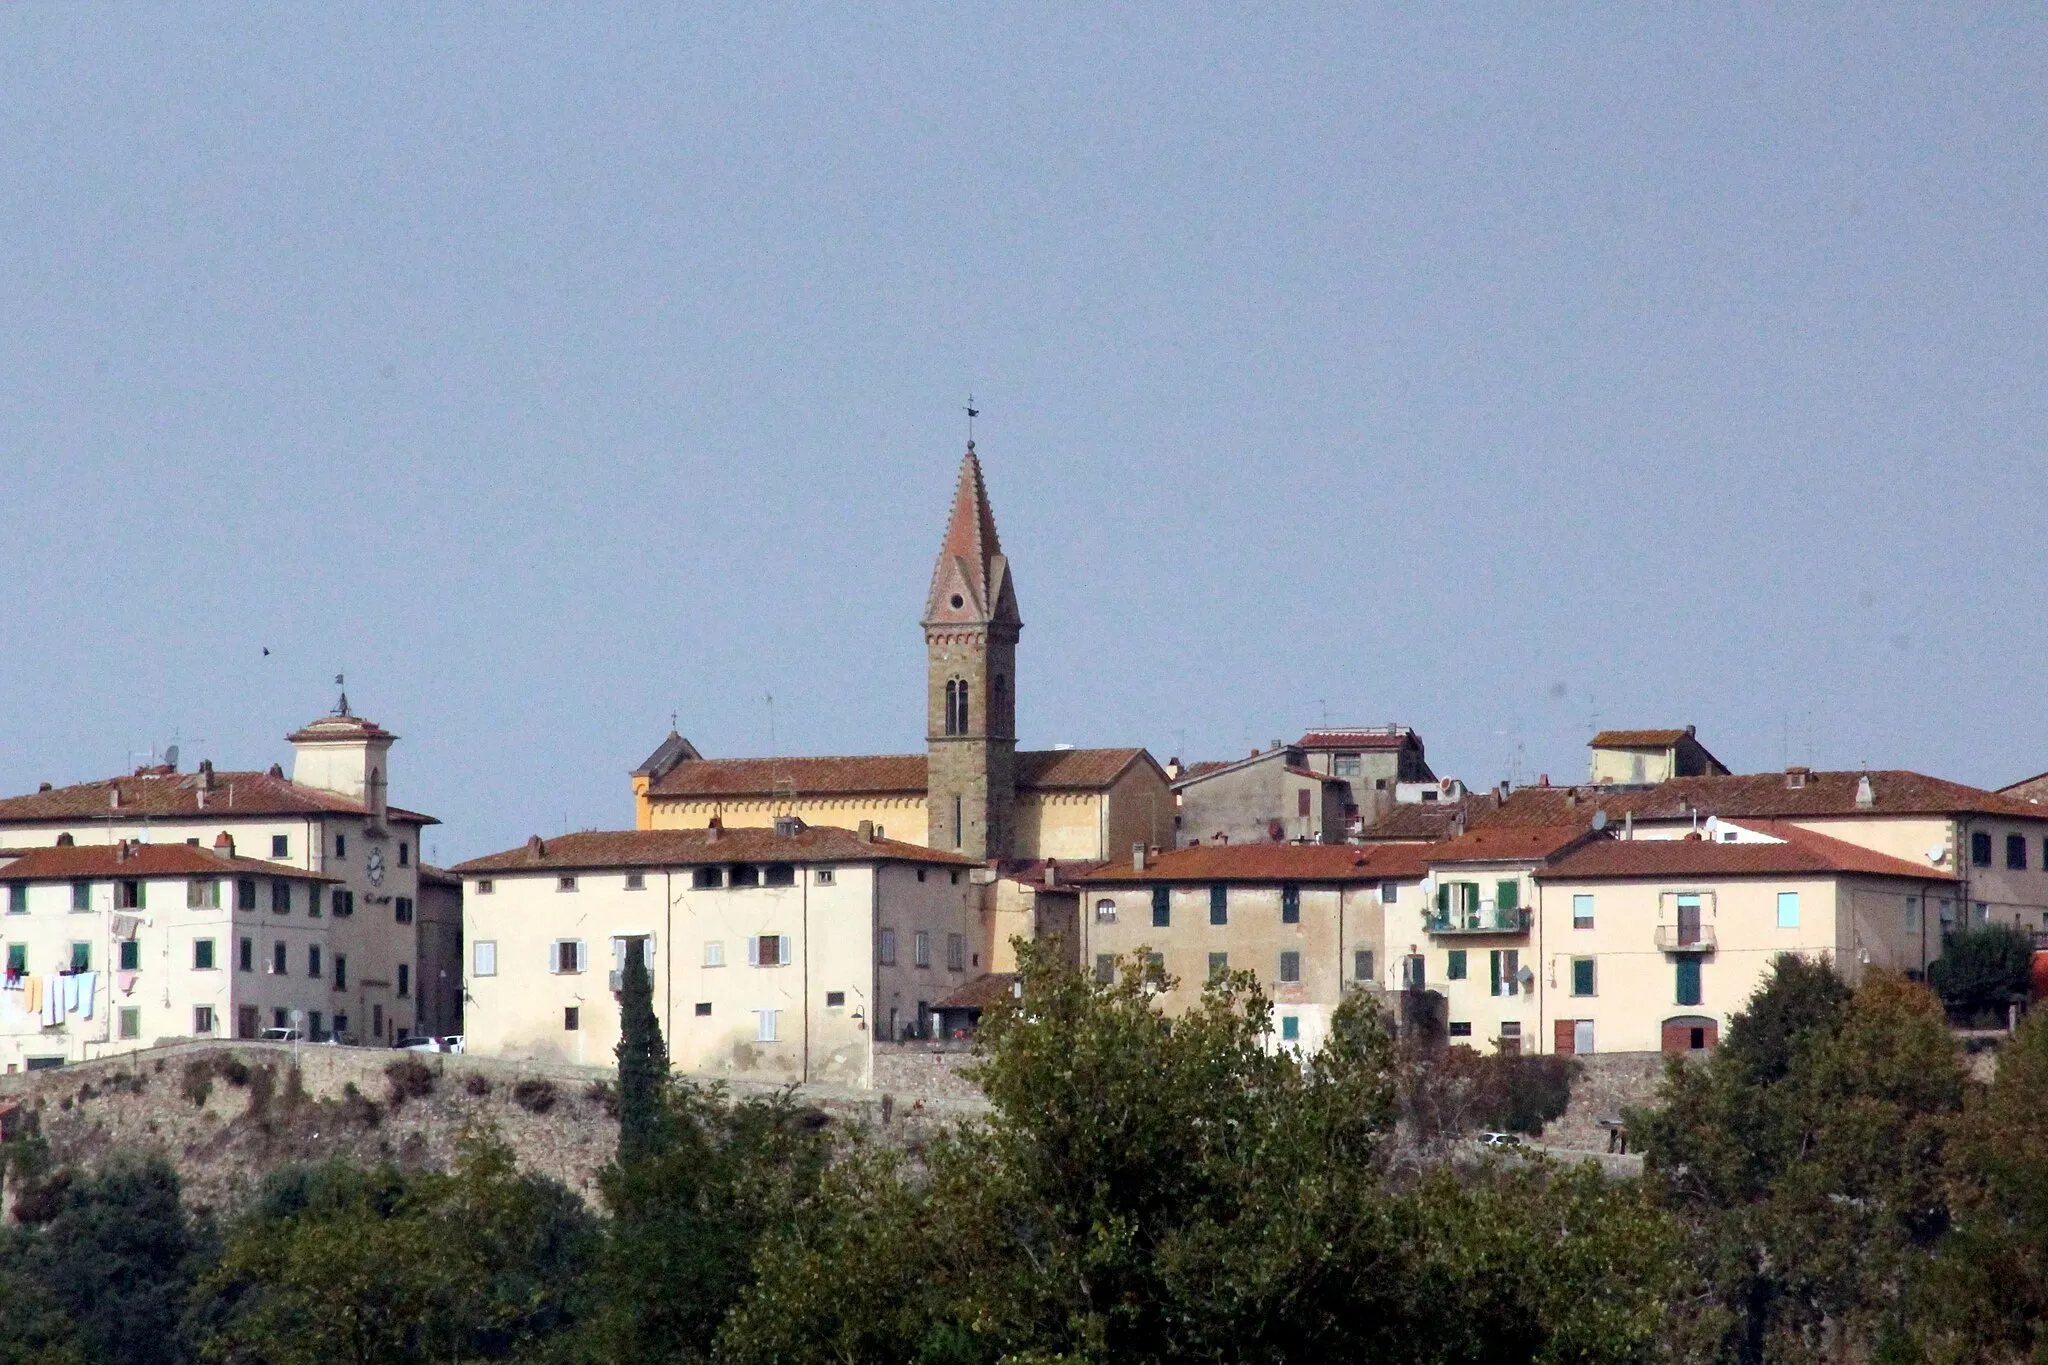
[[972, 413]]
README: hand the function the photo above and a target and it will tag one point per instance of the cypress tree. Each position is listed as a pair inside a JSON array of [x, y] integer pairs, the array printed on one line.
[[643, 1065]]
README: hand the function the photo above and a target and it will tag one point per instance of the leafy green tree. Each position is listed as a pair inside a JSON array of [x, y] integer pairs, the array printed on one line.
[[1980, 970], [643, 1066]]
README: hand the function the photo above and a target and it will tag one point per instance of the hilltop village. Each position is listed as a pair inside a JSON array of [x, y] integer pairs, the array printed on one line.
[[801, 916]]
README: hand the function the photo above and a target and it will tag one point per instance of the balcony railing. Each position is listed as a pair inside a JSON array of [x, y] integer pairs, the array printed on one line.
[[1486, 919], [1685, 938]]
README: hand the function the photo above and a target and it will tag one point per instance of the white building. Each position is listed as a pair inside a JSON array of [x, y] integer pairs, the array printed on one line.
[[777, 953], [330, 818]]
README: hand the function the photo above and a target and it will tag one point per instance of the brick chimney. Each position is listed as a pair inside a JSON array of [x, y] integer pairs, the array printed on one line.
[[224, 845]]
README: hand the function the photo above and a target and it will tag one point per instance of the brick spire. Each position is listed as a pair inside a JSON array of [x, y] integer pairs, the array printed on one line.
[[971, 581]]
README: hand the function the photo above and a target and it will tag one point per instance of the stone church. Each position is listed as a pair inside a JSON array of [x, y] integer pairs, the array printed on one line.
[[1024, 813]]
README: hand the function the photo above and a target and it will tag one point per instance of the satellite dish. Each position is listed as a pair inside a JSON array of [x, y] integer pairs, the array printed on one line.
[[1935, 855], [171, 755], [1599, 821], [1527, 976]]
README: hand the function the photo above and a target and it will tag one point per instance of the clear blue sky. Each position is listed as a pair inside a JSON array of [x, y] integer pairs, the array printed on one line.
[[549, 369]]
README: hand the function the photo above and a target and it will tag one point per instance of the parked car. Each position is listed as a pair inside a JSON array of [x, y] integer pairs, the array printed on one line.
[[452, 1043], [413, 1042], [1500, 1140], [283, 1035]]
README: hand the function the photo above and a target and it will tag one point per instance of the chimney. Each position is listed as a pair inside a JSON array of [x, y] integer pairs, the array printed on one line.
[[224, 845], [1173, 768], [1137, 857], [1543, 779], [114, 796], [277, 770], [1628, 824], [1571, 796], [536, 847], [65, 840], [42, 786], [866, 831], [1866, 795], [1052, 872], [787, 826], [714, 829], [121, 851], [206, 774]]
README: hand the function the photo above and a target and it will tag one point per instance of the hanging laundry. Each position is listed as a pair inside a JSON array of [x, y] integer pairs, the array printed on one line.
[[34, 1003], [88, 991], [70, 993], [53, 1002], [125, 982]]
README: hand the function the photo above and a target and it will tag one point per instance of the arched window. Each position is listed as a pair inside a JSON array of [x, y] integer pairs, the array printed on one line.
[[956, 707], [963, 706]]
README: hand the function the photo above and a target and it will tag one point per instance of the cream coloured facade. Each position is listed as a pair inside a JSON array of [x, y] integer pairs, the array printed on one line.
[[777, 954]]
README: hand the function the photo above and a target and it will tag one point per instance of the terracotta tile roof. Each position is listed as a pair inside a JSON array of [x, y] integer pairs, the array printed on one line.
[[1265, 863], [1420, 821], [339, 726], [1510, 843], [1635, 739], [881, 774], [86, 861], [982, 993], [1031, 871], [1802, 852], [1314, 776], [438, 876], [1375, 737], [1758, 796], [2032, 790], [1191, 771], [644, 848], [171, 795]]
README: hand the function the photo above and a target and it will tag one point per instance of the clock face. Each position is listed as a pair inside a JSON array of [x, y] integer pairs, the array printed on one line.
[[376, 867]]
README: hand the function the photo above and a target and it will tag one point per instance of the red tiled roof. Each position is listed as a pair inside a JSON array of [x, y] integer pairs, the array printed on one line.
[[1421, 821], [1635, 739], [690, 847], [1315, 776], [1031, 871], [2032, 790], [982, 993], [1357, 739], [72, 862], [1532, 843], [890, 774], [171, 795], [1189, 772], [340, 726], [1265, 863], [1756, 796], [1802, 851]]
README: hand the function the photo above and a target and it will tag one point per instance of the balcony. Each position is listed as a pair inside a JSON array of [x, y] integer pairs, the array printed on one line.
[[1485, 919], [1685, 938]]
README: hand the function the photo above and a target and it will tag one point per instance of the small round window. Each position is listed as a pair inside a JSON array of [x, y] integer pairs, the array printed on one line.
[[958, 601]]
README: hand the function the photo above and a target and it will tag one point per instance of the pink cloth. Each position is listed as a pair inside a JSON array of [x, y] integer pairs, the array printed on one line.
[[126, 981]]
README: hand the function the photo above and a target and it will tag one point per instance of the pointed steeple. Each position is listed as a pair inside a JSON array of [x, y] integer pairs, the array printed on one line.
[[971, 582]]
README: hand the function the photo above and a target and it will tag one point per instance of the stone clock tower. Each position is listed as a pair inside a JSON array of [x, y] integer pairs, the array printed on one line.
[[970, 634]]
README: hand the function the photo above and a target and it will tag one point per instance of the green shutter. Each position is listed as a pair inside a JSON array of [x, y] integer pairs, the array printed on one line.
[[1494, 966], [142, 895], [1688, 981], [1508, 895], [1454, 968], [1443, 898]]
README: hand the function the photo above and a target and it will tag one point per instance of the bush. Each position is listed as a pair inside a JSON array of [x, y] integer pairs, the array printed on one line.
[[409, 1078], [1981, 969], [234, 1071], [198, 1081], [476, 1084], [535, 1095], [605, 1096], [1522, 1094]]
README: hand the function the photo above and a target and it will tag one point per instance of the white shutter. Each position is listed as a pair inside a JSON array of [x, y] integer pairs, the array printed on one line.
[[582, 956], [647, 951], [618, 955], [753, 952]]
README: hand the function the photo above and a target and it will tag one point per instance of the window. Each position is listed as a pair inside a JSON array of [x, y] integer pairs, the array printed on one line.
[[1219, 963], [707, 878], [1461, 1030], [1413, 971], [744, 874], [245, 893], [314, 1026], [81, 957], [885, 951], [1361, 965], [954, 876], [2016, 851], [823, 876], [780, 874], [1507, 896], [377, 1020], [1105, 911], [1505, 965], [1912, 914], [1980, 913], [278, 964], [1348, 765], [565, 956], [402, 909], [835, 1000], [1582, 976], [956, 706], [1290, 968], [703, 1010], [202, 895], [404, 853], [1290, 905], [1162, 907], [1688, 981], [1980, 849], [313, 966], [959, 826], [1454, 965], [764, 1026], [340, 977], [636, 881], [202, 954], [81, 895], [1788, 909], [404, 977], [572, 1019], [202, 1019], [1290, 1028], [131, 1022], [956, 953], [281, 899], [1301, 803], [920, 874], [341, 845], [1219, 905], [921, 949], [340, 1025], [772, 950], [280, 845], [483, 958], [130, 895], [1390, 893], [484, 887], [565, 883], [1105, 968], [1582, 912], [344, 903], [17, 958], [245, 955], [130, 958], [714, 953]]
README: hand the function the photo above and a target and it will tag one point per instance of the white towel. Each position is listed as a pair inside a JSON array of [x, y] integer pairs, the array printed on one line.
[[88, 987], [53, 1001], [70, 993]]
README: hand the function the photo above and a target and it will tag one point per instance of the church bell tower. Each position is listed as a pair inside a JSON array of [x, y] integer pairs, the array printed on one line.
[[970, 635]]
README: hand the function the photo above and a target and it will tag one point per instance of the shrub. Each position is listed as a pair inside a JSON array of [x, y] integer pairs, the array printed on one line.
[[604, 1095], [409, 1078], [535, 1094], [234, 1071], [1981, 969], [198, 1081], [476, 1084]]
